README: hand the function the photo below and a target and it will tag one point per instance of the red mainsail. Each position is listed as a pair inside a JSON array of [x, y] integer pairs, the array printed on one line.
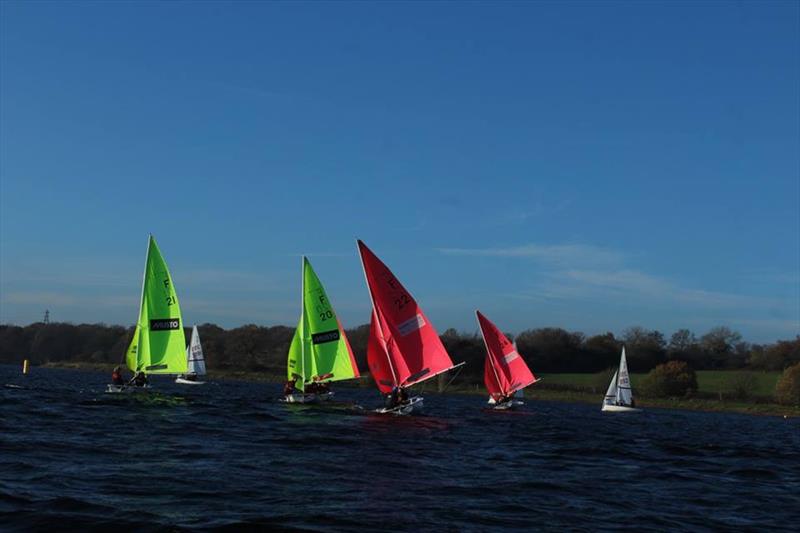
[[505, 372], [403, 348]]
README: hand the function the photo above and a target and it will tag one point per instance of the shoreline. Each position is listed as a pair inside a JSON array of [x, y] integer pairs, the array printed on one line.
[[531, 393]]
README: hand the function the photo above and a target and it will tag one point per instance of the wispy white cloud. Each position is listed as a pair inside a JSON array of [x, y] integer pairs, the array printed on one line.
[[770, 324], [321, 254], [553, 254], [86, 278], [72, 279], [628, 282], [587, 273], [244, 312], [512, 216], [224, 277], [47, 299]]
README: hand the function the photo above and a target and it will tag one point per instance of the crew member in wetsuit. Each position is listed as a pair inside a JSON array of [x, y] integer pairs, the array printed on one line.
[[290, 388], [398, 397], [403, 395], [140, 380], [393, 399], [116, 377]]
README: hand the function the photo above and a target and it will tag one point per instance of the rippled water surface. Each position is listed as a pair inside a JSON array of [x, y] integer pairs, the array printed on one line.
[[228, 455]]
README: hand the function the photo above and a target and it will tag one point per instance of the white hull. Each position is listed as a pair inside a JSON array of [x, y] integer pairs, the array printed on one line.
[[413, 405], [504, 406], [308, 398], [619, 409], [125, 389], [184, 381]]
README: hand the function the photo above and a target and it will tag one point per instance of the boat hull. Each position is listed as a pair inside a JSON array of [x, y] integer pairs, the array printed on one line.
[[184, 381], [414, 405], [619, 409], [125, 389], [308, 398], [505, 406]]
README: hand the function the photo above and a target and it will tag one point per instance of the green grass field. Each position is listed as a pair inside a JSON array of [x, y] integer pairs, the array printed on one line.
[[708, 381]]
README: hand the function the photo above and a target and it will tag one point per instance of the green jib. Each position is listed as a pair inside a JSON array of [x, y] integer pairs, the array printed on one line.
[[319, 349], [158, 345]]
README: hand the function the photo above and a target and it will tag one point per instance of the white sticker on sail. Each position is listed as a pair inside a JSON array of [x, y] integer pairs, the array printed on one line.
[[411, 325], [510, 357]]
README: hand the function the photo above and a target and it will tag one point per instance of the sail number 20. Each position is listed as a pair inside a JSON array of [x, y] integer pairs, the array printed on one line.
[[323, 308]]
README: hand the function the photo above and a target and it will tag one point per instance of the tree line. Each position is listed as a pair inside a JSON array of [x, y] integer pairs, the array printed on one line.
[[547, 350]]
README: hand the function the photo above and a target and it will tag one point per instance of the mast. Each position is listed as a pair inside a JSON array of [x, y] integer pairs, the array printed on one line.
[[375, 311], [303, 321], [488, 353], [137, 331]]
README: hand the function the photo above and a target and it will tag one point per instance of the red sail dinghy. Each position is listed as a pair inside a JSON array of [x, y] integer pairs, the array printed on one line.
[[505, 372], [404, 348]]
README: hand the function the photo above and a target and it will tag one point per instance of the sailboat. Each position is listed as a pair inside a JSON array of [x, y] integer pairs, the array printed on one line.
[[619, 397], [158, 345], [320, 352], [505, 372], [404, 348], [195, 363]]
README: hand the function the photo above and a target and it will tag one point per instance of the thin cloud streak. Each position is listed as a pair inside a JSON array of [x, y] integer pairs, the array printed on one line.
[[557, 254], [592, 274], [581, 284], [51, 298]]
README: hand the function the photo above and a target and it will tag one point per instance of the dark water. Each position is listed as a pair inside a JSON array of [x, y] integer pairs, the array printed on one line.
[[227, 455]]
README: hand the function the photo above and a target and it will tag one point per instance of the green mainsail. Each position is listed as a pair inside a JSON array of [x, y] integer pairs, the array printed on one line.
[[319, 349], [158, 345]]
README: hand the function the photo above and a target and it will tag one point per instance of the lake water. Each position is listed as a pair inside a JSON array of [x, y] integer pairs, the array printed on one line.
[[228, 455]]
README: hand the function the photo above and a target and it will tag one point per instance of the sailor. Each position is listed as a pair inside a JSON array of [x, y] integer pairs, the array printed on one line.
[[290, 388], [140, 380], [393, 399], [403, 395], [116, 377]]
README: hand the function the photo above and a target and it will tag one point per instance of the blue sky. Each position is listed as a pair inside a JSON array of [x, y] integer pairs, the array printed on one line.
[[589, 165]]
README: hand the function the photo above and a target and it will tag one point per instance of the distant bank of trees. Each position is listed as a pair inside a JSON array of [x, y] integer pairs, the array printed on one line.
[[547, 350]]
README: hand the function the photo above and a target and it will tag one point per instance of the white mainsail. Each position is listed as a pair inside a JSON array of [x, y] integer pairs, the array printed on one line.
[[623, 393], [194, 355]]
